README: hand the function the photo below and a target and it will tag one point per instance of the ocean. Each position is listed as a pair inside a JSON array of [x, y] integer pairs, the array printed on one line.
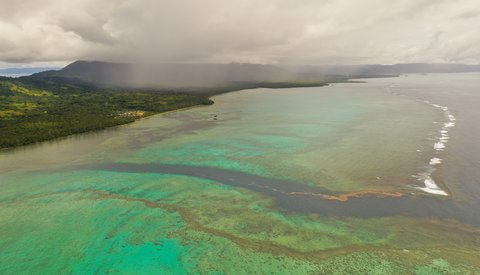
[[373, 177]]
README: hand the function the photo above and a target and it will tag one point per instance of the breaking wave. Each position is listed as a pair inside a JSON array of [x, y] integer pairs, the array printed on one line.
[[439, 145]]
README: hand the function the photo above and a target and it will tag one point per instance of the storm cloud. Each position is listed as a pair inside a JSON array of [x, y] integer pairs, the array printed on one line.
[[218, 31]]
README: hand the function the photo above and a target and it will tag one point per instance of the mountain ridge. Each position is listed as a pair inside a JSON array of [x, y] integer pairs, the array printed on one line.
[[211, 75]]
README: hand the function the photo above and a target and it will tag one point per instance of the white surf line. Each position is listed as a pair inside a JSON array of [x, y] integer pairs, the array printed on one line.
[[439, 146], [432, 188]]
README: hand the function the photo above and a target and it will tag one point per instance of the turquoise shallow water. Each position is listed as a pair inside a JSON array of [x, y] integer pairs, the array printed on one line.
[[280, 132], [61, 212], [63, 219]]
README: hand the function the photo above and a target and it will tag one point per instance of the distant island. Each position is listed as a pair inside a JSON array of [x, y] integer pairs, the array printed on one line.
[[92, 95], [24, 71]]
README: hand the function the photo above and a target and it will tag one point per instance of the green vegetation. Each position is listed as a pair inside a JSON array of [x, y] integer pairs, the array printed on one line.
[[33, 110]]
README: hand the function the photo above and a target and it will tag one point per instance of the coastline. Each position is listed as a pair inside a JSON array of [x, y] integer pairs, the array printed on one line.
[[4, 149], [208, 96]]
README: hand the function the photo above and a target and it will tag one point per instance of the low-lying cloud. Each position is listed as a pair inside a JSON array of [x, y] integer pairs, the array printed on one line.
[[218, 31]]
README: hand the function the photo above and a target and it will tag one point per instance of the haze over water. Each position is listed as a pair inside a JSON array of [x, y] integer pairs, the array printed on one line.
[[257, 179]]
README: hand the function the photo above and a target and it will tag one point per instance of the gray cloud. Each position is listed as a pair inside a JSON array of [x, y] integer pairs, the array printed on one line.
[[268, 31]]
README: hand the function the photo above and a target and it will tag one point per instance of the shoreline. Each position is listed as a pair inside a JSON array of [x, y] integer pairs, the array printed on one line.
[[5, 149], [274, 86]]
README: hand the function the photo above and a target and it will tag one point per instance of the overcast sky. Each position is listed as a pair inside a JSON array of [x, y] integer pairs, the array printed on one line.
[[55, 32]]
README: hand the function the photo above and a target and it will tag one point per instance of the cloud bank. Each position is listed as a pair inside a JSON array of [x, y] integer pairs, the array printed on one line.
[[218, 31]]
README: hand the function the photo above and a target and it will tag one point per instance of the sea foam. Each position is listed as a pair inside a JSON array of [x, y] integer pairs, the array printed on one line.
[[432, 188], [439, 145], [449, 124], [435, 161]]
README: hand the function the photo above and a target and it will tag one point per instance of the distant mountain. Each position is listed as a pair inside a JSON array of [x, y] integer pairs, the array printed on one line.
[[24, 71], [367, 70], [118, 74], [189, 75]]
